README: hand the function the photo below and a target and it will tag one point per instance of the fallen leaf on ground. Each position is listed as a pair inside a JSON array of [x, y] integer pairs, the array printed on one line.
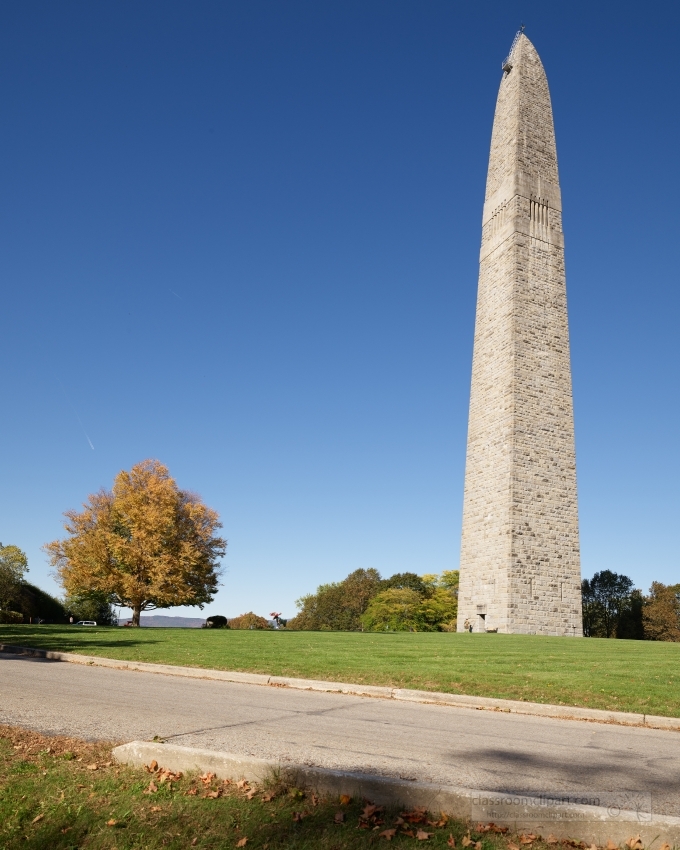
[[345, 799], [388, 834], [443, 820], [421, 835], [111, 822], [512, 846], [92, 767], [339, 817], [368, 811], [242, 842], [552, 840], [37, 818], [417, 815], [155, 808], [611, 845], [529, 838], [408, 832], [635, 843], [242, 783], [194, 842], [213, 794], [466, 841], [298, 816], [152, 788], [665, 847], [315, 800], [192, 792], [153, 767], [207, 778], [593, 847], [251, 793], [268, 796], [451, 841]]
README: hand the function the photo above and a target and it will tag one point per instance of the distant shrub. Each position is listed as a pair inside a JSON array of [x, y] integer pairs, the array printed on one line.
[[249, 621], [217, 621], [8, 617]]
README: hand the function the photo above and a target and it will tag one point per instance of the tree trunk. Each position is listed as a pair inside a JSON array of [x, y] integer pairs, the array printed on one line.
[[136, 614]]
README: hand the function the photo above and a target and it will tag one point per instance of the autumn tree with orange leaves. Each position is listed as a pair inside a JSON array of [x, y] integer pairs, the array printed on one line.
[[145, 543]]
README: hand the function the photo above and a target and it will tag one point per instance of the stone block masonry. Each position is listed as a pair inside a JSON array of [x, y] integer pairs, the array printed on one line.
[[520, 561]]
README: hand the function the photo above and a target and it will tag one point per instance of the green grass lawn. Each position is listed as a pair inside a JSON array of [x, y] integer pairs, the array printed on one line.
[[62, 794], [624, 675]]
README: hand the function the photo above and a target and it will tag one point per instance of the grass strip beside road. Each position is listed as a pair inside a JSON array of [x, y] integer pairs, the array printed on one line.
[[63, 793], [619, 675]]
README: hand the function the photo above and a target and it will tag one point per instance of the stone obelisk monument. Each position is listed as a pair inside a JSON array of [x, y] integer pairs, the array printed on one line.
[[520, 564]]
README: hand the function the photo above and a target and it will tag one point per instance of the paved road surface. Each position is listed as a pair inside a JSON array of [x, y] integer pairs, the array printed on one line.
[[453, 746]]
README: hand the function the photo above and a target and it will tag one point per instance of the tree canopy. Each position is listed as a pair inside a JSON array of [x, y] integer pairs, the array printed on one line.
[[145, 544], [363, 600], [13, 566], [661, 612], [607, 602]]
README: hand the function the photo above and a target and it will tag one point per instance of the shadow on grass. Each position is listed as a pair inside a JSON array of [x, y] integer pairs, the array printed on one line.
[[68, 645]]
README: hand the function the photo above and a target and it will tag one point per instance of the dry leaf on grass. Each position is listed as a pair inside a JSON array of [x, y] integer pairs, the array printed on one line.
[[191, 792], [155, 808], [665, 847], [611, 846], [339, 817], [242, 783], [388, 834], [194, 842], [593, 847], [451, 841], [421, 835], [298, 816], [251, 793], [206, 778], [512, 846], [528, 839], [635, 843], [37, 818], [345, 799], [466, 841], [242, 842], [151, 789], [111, 822], [552, 840], [213, 795], [417, 815], [153, 767], [92, 767], [268, 796]]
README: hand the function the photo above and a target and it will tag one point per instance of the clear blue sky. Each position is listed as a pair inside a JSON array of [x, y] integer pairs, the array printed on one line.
[[242, 238]]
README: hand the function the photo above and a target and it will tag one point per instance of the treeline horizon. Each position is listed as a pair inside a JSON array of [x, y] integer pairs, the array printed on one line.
[[364, 601]]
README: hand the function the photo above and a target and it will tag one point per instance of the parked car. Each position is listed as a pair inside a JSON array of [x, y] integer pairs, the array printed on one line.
[[86, 623]]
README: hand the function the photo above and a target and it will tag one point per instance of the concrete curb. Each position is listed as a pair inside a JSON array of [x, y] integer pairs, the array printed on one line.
[[561, 712], [592, 824]]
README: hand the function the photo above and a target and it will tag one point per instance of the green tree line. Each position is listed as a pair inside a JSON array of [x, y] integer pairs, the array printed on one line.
[[364, 601], [614, 608]]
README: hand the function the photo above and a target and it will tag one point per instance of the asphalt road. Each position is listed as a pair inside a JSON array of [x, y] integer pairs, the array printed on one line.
[[452, 746]]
